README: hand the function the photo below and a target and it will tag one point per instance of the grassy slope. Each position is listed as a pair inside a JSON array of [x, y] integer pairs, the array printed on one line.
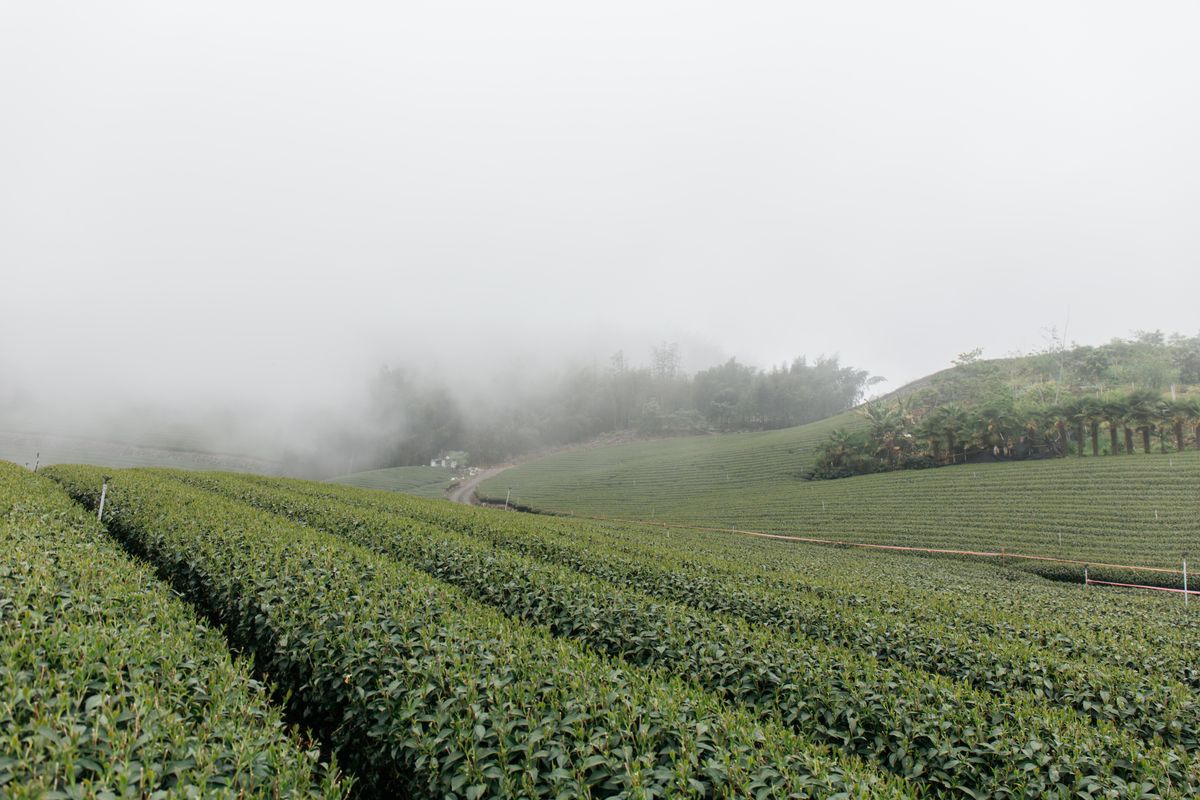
[[25, 448], [635, 476], [1104, 509], [421, 481], [692, 567]]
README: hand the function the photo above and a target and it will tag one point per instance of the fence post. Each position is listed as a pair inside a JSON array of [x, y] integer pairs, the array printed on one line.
[[1085, 577], [103, 493], [1185, 591]]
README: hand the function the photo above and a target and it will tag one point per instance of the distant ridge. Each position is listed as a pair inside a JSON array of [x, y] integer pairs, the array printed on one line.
[[24, 448]]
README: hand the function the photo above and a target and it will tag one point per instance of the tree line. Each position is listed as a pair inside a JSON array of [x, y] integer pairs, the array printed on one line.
[[412, 418], [903, 435], [1106, 400]]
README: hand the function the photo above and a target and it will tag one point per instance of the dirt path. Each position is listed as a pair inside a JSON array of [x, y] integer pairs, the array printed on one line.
[[465, 492]]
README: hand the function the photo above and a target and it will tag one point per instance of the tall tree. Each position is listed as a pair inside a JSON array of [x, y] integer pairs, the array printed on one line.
[[1060, 416], [1092, 410], [1195, 420], [1144, 414], [953, 421], [993, 425], [1031, 416], [929, 428], [1179, 414], [886, 429], [1114, 410], [1076, 411]]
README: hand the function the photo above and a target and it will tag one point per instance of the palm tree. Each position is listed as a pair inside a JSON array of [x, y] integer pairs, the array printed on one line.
[[1030, 415], [929, 428], [992, 423], [1076, 412], [1093, 411], [1179, 413], [1060, 417], [835, 449], [887, 429], [1144, 414], [1195, 418], [953, 420], [1113, 409]]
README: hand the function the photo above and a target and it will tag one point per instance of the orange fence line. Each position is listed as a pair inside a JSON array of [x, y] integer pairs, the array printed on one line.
[[894, 547]]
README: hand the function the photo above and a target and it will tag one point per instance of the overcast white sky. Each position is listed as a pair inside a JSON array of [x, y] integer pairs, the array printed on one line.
[[267, 200]]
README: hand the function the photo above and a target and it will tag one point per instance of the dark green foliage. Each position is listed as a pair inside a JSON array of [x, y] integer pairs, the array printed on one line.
[[412, 419], [110, 686], [421, 690], [824, 690], [905, 435]]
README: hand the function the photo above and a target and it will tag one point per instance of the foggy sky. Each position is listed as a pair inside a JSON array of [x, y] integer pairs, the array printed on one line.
[[258, 203]]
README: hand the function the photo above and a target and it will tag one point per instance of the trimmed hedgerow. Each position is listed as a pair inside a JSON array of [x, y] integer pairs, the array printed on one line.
[[423, 691], [110, 686], [1011, 743]]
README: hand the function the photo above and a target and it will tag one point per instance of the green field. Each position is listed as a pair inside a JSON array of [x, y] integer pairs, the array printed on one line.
[[448, 651], [30, 449], [110, 686], [625, 477], [421, 481], [1139, 509]]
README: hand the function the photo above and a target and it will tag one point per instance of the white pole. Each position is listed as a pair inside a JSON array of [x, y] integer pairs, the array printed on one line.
[[506, 498], [1085, 577], [103, 493], [1185, 591], [37, 460]]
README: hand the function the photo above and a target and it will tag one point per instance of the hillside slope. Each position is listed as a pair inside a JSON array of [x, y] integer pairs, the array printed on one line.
[[1140, 509], [665, 473], [46, 449], [420, 481]]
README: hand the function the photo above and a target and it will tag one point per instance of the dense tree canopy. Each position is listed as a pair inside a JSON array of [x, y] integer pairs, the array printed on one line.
[[1052, 403], [413, 420]]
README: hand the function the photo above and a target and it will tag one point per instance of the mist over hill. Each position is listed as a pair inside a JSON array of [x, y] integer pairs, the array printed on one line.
[[416, 410], [217, 223], [409, 414]]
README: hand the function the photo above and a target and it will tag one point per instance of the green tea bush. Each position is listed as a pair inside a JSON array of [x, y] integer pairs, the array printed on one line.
[[422, 691], [110, 686]]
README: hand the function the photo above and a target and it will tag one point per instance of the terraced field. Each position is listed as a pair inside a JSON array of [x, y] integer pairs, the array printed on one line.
[[110, 686], [31, 449], [1140, 509], [424, 691], [421, 481], [630, 477], [455, 652], [448, 651]]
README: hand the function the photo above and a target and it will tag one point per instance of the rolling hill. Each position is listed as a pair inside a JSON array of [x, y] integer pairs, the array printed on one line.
[[34, 448], [1129, 509], [434, 648], [420, 481]]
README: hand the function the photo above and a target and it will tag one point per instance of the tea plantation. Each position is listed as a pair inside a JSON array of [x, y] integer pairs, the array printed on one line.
[[1137, 509], [433, 650], [111, 686], [421, 481]]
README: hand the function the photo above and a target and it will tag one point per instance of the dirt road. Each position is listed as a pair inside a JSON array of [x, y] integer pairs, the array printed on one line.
[[465, 491]]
